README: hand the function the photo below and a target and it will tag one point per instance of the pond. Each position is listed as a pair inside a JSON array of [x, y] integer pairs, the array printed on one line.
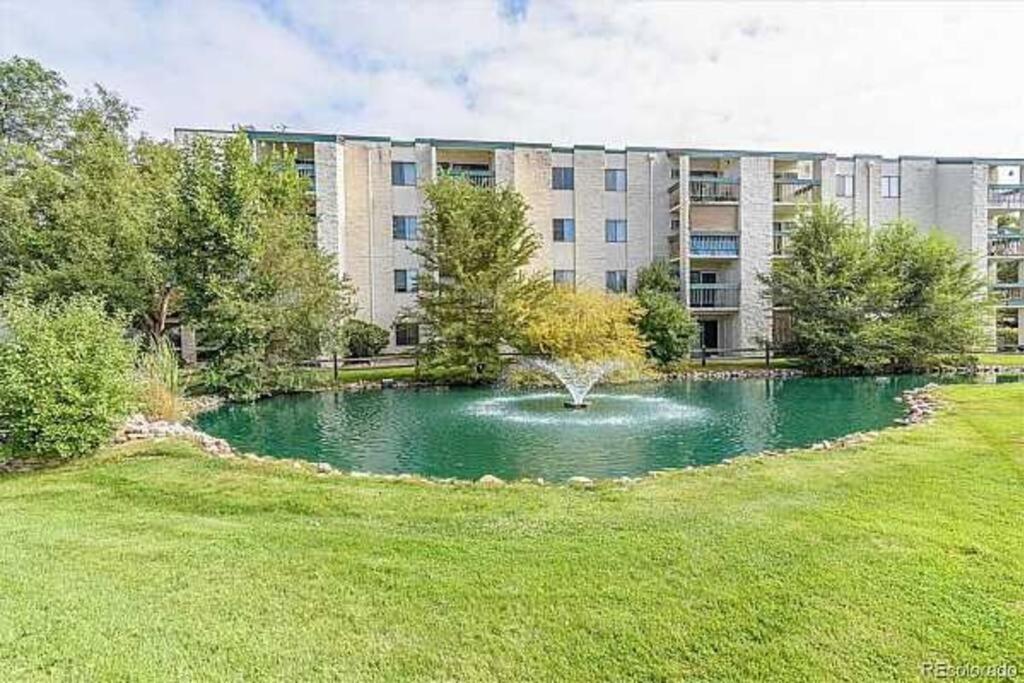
[[627, 430]]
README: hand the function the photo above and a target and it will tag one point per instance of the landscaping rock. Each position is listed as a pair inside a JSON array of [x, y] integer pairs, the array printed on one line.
[[324, 468], [489, 481], [581, 482]]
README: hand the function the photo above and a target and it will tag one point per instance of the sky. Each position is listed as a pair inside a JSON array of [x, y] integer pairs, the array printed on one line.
[[887, 78]]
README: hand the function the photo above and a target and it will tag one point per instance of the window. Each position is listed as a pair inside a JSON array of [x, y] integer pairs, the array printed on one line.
[[407, 334], [890, 186], [403, 173], [615, 281], [615, 179], [561, 178], [564, 278], [405, 227], [615, 231], [844, 185], [405, 280], [563, 230]]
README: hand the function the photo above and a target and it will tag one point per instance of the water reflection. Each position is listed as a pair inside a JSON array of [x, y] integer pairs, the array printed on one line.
[[628, 430]]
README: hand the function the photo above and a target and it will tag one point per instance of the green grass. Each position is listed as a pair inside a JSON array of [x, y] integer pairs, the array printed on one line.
[[155, 563], [1001, 359]]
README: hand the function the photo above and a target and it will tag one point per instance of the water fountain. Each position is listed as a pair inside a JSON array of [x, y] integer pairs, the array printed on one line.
[[578, 378]]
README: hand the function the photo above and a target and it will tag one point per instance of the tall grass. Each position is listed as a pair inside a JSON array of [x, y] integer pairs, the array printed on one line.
[[161, 387]]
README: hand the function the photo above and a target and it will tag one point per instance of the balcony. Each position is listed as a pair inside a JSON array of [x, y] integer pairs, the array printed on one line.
[[717, 295], [1006, 196], [714, 190], [307, 169], [796, 190], [715, 246], [781, 237], [1010, 244], [1009, 294]]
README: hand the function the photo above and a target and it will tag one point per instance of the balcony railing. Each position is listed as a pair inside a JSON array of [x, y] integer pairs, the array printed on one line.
[[1006, 196], [715, 245], [478, 178], [307, 169], [1005, 244], [792, 191], [1009, 294], [714, 295], [781, 237], [707, 190]]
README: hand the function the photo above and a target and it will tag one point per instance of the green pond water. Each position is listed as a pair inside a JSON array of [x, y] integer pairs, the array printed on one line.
[[628, 430]]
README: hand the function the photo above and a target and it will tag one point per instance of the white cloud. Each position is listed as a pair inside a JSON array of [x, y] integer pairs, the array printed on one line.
[[887, 78]]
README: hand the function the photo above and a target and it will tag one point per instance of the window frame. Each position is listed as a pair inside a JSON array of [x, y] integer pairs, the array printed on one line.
[[613, 186], [404, 220], [563, 223], [887, 182], [399, 179], [620, 277], [844, 185], [571, 282], [561, 173], [409, 340], [611, 230], [410, 280]]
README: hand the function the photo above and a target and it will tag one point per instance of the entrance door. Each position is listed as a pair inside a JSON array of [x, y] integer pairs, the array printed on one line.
[[709, 333]]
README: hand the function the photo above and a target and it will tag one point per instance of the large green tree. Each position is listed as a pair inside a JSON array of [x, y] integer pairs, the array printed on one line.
[[207, 234], [253, 282], [862, 301], [84, 209], [475, 291]]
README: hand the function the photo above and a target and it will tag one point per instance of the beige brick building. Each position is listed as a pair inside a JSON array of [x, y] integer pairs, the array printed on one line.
[[719, 216]]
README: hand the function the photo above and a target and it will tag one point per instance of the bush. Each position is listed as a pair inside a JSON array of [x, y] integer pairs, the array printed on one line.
[[65, 376], [667, 326], [365, 339], [161, 391]]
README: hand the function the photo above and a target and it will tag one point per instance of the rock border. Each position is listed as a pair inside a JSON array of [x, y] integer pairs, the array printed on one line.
[[922, 405]]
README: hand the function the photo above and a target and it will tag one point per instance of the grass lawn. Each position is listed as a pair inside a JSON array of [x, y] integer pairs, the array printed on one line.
[[153, 562], [1002, 359]]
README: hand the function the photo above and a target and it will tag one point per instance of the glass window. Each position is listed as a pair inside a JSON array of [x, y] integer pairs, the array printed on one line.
[[561, 178], [405, 280], [615, 281], [403, 173], [844, 185], [566, 278], [615, 231], [405, 227], [407, 334], [890, 186], [563, 230], [615, 179]]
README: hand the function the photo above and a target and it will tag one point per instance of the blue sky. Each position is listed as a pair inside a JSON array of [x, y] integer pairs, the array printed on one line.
[[911, 78]]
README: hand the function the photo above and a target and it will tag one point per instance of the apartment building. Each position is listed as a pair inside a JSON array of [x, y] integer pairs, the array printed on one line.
[[720, 217]]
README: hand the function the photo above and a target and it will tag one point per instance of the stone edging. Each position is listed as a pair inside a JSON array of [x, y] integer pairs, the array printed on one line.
[[921, 407]]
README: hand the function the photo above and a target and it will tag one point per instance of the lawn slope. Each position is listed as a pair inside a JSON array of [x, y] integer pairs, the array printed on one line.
[[860, 564]]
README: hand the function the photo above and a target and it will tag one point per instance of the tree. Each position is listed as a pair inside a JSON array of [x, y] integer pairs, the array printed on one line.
[[474, 296], [935, 301], [666, 323], [860, 302], [85, 210], [585, 325], [65, 376], [34, 104], [252, 280]]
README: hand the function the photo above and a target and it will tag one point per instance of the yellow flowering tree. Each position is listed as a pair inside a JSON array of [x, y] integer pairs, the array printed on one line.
[[585, 325]]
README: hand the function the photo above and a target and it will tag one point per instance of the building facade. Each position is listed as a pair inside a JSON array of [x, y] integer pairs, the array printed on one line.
[[719, 217]]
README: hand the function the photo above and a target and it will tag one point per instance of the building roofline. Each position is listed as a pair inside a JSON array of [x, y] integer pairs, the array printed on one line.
[[699, 152]]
